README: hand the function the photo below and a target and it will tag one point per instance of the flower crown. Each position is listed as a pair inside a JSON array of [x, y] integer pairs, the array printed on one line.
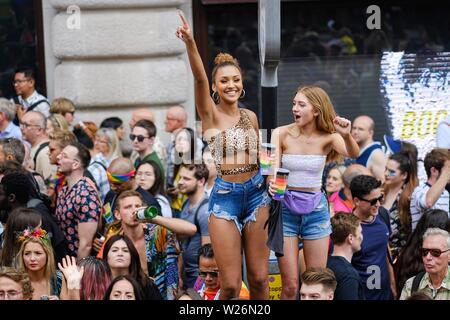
[[34, 233]]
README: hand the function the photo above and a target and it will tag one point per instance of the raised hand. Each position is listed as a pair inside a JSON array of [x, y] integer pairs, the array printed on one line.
[[184, 32], [342, 126], [71, 271]]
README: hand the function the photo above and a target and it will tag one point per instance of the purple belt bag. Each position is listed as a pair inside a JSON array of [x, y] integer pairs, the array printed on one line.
[[302, 202]]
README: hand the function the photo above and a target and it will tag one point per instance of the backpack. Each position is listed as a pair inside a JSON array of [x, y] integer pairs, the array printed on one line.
[[30, 108], [197, 224], [42, 146], [89, 175], [416, 282]]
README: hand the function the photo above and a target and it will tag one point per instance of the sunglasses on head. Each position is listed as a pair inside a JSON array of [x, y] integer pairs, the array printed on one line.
[[140, 138], [213, 274], [373, 201], [434, 252]]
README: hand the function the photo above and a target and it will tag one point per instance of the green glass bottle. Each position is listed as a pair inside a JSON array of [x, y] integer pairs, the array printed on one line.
[[147, 213]]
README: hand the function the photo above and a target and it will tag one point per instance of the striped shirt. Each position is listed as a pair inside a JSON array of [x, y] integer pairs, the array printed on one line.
[[418, 203]]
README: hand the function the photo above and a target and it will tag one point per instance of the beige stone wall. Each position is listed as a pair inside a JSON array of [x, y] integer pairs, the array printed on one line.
[[123, 53]]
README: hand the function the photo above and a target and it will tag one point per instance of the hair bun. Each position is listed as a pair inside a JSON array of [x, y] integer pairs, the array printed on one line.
[[224, 58]]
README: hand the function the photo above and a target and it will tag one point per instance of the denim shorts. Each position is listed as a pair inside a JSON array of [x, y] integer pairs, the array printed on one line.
[[312, 226], [238, 201]]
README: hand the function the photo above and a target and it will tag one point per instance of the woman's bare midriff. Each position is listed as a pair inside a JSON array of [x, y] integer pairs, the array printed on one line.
[[303, 189], [239, 178]]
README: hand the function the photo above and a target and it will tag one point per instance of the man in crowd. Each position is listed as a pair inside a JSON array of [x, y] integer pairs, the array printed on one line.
[[371, 154], [435, 281], [347, 238], [154, 240], [195, 210], [143, 138], [176, 119], [33, 125], [208, 282], [17, 192], [318, 284], [372, 261], [144, 113], [78, 204], [432, 194], [12, 149], [28, 99], [342, 200], [15, 284], [7, 113]]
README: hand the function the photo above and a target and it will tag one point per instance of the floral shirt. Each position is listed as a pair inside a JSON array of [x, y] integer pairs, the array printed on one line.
[[162, 259], [79, 204]]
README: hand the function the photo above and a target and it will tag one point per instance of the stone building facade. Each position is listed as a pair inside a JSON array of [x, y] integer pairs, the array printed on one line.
[[111, 56]]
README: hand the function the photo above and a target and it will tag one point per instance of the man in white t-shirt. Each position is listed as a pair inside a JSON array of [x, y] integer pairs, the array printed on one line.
[[432, 194]]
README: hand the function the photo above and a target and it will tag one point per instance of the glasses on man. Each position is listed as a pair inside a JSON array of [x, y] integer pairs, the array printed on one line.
[[373, 201], [9, 294], [434, 252], [28, 125], [20, 81], [213, 274], [139, 138]]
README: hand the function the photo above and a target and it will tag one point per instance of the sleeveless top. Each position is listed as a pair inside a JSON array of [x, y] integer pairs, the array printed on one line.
[[305, 171], [240, 137], [366, 153]]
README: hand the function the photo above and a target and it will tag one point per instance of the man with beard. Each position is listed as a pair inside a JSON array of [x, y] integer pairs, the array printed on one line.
[[195, 210]]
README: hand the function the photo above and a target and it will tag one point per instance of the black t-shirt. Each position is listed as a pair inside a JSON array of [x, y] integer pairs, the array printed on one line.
[[349, 285]]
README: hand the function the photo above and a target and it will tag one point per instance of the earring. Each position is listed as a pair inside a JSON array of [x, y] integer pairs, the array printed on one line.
[[242, 94], [215, 97]]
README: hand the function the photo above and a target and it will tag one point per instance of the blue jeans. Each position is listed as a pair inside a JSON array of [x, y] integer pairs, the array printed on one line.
[[238, 201], [312, 226]]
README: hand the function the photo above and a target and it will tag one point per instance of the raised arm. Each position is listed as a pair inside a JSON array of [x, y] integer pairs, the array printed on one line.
[[204, 102], [343, 142]]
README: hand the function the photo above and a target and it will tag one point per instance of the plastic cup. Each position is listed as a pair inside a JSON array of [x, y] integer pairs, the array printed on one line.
[[281, 182], [267, 149]]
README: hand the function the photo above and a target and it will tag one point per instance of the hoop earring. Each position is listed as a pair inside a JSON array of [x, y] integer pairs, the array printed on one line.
[[215, 97], [242, 94]]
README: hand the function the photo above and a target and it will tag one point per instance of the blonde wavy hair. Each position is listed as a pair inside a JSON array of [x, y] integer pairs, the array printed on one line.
[[321, 103], [50, 268]]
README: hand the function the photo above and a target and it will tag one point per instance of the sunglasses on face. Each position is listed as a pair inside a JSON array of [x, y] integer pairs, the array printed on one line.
[[213, 274], [434, 252], [140, 138], [373, 201]]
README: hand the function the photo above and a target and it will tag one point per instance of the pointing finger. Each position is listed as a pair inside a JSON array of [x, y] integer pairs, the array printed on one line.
[[185, 23]]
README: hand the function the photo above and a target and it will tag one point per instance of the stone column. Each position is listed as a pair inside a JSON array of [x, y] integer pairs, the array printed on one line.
[[114, 55]]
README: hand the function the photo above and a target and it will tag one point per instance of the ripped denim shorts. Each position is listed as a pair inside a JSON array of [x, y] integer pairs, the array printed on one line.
[[238, 201], [312, 226]]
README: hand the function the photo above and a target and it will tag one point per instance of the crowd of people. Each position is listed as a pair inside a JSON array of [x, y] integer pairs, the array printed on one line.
[[355, 222]]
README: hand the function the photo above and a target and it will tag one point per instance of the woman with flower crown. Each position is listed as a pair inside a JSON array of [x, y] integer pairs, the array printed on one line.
[[36, 258]]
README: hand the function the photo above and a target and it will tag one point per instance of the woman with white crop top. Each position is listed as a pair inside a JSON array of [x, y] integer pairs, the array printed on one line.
[[303, 147]]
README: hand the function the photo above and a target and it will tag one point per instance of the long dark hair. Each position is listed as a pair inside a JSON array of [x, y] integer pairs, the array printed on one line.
[[158, 187], [410, 261], [135, 269], [19, 220], [179, 157], [406, 165], [138, 293]]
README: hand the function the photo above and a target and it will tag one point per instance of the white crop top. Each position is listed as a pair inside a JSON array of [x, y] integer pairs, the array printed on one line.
[[305, 170]]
